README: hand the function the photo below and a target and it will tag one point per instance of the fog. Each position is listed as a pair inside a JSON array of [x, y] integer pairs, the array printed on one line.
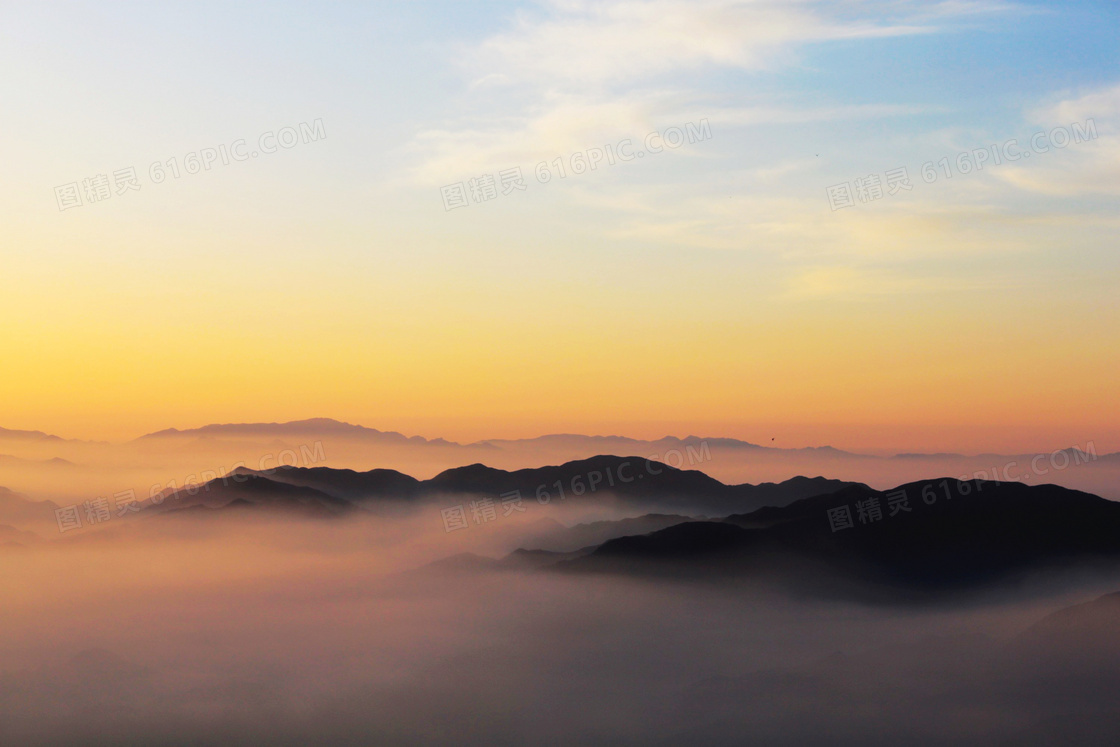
[[227, 629], [221, 626], [69, 472]]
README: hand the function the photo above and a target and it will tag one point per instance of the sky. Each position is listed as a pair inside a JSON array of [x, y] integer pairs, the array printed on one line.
[[342, 254]]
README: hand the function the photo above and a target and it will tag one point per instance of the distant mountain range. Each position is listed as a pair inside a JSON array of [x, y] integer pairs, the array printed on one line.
[[13, 435], [330, 428], [297, 428], [39, 437], [601, 444], [18, 509], [53, 462]]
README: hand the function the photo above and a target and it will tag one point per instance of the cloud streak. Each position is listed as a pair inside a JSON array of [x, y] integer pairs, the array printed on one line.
[[577, 73]]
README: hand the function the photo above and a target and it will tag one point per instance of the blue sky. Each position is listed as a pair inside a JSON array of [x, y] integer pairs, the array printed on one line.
[[729, 244]]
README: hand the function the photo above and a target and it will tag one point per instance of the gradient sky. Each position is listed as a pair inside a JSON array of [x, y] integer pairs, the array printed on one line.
[[707, 289]]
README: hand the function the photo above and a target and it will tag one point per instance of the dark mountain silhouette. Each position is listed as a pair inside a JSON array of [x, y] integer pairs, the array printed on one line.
[[346, 484], [694, 539], [631, 480], [561, 539], [257, 492], [958, 535]]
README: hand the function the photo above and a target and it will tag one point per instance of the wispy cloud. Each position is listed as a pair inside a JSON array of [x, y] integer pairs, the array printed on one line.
[[1085, 168], [575, 74], [576, 45]]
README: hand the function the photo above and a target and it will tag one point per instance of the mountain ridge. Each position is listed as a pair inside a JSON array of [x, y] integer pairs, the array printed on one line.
[[956, 535], [332, 427], [634, 481]]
